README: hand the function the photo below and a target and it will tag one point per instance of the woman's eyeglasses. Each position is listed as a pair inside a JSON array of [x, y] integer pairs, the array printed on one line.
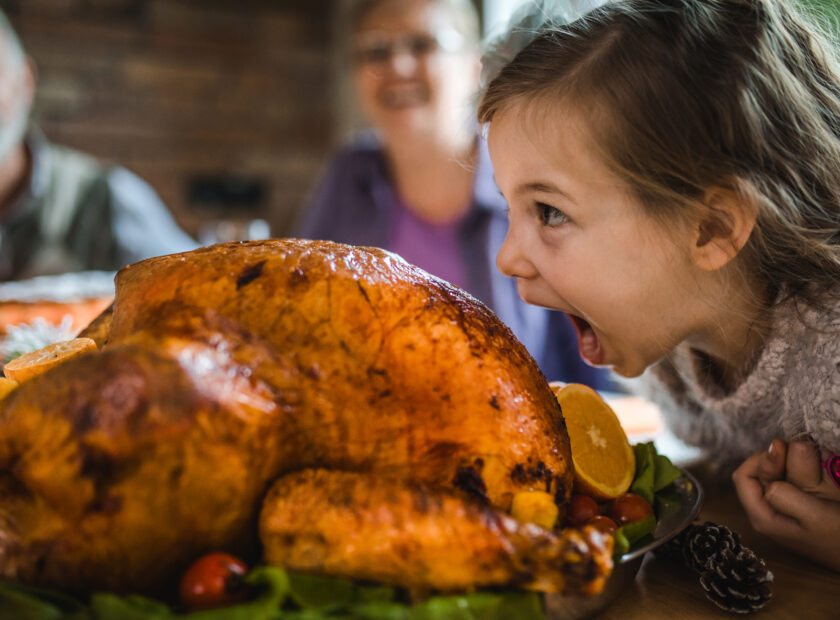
[[376, 51]]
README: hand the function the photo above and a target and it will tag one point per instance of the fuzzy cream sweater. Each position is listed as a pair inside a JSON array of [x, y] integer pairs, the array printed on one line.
[[793, 392]]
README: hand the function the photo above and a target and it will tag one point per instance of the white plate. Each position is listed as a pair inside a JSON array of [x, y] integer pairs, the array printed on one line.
[[64, 288]]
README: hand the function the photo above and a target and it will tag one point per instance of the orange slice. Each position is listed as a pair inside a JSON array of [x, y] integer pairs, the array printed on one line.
[[602, 457], [32, 364]]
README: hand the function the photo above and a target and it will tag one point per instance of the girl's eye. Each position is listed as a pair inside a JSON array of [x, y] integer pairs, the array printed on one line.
[[549, 216]]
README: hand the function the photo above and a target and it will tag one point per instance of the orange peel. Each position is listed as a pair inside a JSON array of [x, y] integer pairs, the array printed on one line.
[[602, 457], [34, 363]]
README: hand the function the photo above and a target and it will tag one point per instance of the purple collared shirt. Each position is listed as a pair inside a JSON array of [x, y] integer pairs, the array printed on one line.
[[434, 247]]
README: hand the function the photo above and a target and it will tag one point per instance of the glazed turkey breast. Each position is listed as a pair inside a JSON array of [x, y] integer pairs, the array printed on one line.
[[358, 385]]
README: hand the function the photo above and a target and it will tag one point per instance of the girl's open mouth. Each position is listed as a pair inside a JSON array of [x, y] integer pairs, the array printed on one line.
[[588, 343]]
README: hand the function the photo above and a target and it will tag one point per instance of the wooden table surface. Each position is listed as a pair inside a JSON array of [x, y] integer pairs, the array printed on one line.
[[801, 590]]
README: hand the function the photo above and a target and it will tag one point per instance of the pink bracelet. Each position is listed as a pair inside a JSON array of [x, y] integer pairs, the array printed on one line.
[[832, 467]]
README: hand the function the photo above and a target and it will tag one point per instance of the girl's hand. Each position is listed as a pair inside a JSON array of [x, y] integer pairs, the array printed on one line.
[[788, 496]]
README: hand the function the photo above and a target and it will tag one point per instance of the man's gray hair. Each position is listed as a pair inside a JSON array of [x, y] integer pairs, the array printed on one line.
[[13, 126], [11, 50]]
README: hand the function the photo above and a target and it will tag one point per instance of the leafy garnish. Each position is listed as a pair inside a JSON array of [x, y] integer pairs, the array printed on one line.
[[630, 533], [655, 475], [664, 473], [666, 503], [24, 338], [321, 593], [279, 596], [654, 472]]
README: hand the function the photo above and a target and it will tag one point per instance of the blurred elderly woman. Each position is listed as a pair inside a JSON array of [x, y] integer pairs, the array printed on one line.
[[420, 183]]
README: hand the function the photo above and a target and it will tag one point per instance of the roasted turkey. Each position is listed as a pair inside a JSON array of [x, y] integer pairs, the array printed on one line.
[[354, 414]]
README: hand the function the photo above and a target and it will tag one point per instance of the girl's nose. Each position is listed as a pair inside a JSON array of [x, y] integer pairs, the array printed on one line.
[[512, 260]]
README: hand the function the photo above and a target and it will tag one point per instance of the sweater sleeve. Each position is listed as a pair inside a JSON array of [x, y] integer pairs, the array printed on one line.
[[332, 207], [820, 389], [142, 225], [313, 221]]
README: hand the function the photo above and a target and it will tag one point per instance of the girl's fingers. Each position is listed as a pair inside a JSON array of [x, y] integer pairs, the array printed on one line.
[[802, 520], [771, 465], [750, 467], [803, 465], [804, 470], [750, 490], [789, 500], [817, 522], [762, 515]]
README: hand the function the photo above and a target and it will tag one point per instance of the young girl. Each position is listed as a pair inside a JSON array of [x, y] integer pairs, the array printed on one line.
[[672, 169]]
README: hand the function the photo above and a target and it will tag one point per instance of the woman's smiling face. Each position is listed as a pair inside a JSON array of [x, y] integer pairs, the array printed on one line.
[[415, 73], [580, 242]]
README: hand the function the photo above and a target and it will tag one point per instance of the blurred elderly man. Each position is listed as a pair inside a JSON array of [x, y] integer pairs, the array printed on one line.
[[61, 210]]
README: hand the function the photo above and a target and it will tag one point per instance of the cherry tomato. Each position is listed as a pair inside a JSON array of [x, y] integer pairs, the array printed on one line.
[[214, 580], [581, 509], [603, 523], [628, 508]]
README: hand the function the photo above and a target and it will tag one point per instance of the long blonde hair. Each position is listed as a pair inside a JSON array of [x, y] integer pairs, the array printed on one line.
[[688, 95]]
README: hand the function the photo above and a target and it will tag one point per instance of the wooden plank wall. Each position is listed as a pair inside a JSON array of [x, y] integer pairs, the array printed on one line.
[[175, 89]]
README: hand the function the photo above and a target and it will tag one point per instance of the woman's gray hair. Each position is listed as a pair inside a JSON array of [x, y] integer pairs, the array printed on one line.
[[463, 12]]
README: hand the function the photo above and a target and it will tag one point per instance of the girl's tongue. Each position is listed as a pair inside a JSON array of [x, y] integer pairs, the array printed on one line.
[[588, 343]]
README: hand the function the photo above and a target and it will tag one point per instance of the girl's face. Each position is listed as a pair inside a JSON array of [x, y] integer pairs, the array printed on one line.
[[415, 73], [579, 242]]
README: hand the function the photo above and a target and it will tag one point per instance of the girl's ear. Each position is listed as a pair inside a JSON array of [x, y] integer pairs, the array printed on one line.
[[723, 230]]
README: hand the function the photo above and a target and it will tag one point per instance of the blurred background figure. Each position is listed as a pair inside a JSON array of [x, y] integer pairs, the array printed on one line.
[[420, 183], [60, 210]]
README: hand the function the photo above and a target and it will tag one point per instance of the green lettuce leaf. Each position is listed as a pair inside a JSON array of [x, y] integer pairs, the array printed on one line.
[[643, 482], [320, 593], [664, 473]]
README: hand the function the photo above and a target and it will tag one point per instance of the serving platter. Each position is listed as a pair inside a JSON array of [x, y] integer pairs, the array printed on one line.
[[690, 493], [689, 499]]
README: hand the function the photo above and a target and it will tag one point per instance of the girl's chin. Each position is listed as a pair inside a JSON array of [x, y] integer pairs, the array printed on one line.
[[627, 370]]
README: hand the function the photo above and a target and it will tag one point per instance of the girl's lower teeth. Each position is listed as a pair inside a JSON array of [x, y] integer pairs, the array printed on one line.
[[589, 343]]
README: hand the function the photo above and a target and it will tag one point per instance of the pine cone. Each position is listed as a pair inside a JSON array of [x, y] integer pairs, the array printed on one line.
[[737, 581], [703, 542], [673, 549]]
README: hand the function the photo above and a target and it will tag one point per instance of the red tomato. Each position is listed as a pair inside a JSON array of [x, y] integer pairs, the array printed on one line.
[[214, 580], [581, 509], [628, 508], [604, 524]]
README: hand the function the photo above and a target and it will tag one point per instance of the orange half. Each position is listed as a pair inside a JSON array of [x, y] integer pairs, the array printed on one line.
[[602, 457], [32, 364]]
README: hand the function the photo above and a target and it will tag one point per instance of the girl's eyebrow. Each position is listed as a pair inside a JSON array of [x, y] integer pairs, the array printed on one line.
[[536, 186], [545, 187]]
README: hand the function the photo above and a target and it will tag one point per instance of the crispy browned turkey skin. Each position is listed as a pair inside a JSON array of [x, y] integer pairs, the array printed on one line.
[[225, 369], [395, 531]]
